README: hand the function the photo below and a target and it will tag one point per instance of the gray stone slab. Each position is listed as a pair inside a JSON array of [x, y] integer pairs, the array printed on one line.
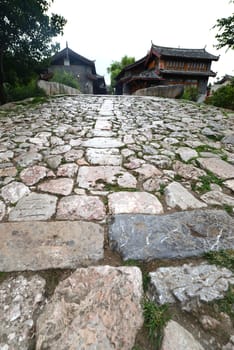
[[35, 206], [174, 283], [177, 235], [47, 245]]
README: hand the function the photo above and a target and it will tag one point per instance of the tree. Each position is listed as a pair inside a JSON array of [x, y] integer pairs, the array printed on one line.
[[26, 32], [225, 35], [116, 67]]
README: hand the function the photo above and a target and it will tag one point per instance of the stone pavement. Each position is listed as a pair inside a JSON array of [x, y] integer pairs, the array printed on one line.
[[149, 178]]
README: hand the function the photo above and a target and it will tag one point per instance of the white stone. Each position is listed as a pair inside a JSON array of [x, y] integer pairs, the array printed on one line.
[[217, 198], [103, 142], [177, 337], [14, 191], [177, 196], [187, 153], [103, 156], [217, 166], [134, 202]]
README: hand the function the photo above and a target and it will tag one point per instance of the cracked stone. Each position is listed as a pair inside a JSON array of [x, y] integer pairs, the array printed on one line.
[[187, 283]]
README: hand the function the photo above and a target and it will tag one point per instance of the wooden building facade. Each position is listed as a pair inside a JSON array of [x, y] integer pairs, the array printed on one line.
[[167, 66], [81, 68]]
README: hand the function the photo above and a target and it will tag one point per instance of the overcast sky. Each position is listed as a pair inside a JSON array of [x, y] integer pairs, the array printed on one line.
[[106, 30]]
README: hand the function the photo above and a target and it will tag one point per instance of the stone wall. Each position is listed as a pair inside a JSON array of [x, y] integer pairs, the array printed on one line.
[[170, 91], [53, 88], [80, 72]]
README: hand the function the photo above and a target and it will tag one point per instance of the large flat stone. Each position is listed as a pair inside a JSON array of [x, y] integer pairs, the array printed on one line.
[[103, 156], [61, 186], [217, 166], [178, 196], [47, 245], [35, 206], [97, 176], [134, 202], [177, 235], [95, 308], [103, 142], [81, 208]]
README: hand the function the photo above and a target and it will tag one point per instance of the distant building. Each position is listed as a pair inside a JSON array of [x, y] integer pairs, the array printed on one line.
[[81, 68], [225, 80], [167, 66]]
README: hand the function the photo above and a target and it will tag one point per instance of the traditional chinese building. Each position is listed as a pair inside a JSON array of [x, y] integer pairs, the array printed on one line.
[[81, 68], [167, 66]]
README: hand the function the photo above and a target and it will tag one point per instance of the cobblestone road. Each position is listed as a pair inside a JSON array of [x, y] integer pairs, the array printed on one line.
[[151, 178]]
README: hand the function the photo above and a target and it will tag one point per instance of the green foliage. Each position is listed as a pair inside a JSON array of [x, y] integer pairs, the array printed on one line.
[[224, 258], [155, 318], [225, 35], [228, 208], [223, 97], [206, 181], [65, 78], [190, 93], [20, 92], [115, 68], [25, 38], [226, 304]]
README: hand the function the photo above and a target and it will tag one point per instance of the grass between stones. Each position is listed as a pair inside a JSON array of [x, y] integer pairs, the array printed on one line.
[[205, 181], [155, 316], [224, 258]]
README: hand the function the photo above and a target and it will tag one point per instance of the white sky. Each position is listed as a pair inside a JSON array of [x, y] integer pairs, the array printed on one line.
[[106, 30]]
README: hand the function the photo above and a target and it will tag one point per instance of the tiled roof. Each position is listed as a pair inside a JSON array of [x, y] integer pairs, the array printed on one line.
[[71, 54], [185, 53], [192, 73]]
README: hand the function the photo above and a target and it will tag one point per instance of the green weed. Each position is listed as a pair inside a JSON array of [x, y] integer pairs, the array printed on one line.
[[155, 318], [228, 208], [206, 181], [223, 258], [227, 303]]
